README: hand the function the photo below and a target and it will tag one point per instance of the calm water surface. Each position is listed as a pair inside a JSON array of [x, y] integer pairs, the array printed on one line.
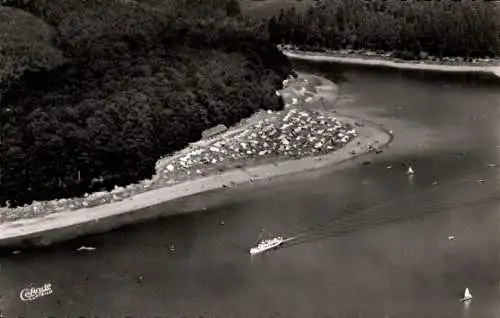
[[371, 241]]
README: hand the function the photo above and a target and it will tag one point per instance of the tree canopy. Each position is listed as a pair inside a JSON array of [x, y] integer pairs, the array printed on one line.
[[124, 84], [412, 28]]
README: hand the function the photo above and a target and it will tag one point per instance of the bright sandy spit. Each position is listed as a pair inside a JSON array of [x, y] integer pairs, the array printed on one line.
[[266, 145]]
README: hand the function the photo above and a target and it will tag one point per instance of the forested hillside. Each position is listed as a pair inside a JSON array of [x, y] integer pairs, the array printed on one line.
[[267, 8], [110, 86], [412, 29]]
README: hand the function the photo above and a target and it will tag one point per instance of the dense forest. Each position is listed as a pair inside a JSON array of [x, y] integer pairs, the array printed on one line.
[[94, 92], [410, 29]]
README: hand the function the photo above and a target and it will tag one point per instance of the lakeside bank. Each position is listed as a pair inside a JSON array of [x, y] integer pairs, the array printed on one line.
[[491, 69], [168, 198]]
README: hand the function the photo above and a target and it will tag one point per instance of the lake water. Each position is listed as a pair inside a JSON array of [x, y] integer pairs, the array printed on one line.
[[371, 241]]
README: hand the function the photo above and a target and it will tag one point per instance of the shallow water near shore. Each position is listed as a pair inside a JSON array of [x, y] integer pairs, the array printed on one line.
[[395, 259]]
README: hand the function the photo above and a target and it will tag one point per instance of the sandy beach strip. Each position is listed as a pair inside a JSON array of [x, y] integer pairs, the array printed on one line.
[[383, 62]]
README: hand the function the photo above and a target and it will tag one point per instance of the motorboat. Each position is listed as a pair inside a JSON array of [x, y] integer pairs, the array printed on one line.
[[266, 245]]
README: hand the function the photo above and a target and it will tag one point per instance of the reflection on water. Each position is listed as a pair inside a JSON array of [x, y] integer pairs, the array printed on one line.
[[466, 308]]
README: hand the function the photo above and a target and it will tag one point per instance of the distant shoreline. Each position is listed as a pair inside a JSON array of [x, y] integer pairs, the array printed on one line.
[[492, 68]]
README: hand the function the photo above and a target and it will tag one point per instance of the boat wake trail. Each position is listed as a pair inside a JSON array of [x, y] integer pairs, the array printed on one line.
[[404, 208], [363, 221]]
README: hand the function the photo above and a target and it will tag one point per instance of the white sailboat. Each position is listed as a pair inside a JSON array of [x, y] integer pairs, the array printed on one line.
[[410, 170], [467, 295]]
